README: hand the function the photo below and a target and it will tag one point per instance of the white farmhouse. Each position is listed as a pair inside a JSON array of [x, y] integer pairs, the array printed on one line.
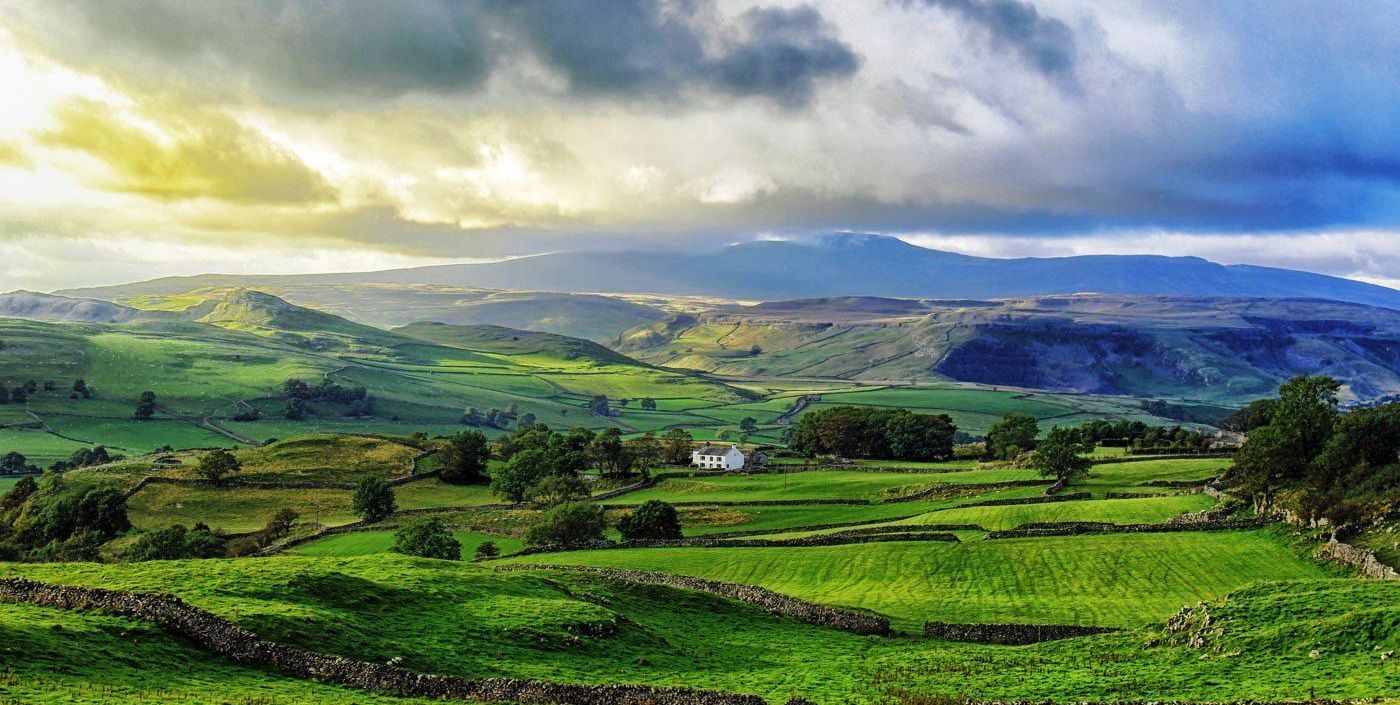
[[718, 458]]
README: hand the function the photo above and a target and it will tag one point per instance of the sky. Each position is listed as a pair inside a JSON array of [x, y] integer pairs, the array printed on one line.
[[143, 138]]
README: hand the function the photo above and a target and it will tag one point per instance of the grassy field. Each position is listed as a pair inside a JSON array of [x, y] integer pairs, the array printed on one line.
[[816, 484], [1109, 580], [234, 509], [466, 620]]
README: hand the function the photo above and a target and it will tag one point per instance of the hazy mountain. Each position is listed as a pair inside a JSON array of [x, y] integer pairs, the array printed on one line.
[[49, 307], [598, 318], [869, 265], [1222, 349]]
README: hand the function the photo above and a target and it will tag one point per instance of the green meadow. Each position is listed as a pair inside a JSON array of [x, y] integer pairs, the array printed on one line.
[[1121, 580], [468, 620]]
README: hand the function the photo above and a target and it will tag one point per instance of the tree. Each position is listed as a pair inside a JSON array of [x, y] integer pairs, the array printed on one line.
[[281, 523], [296, 409], [599, 405], [218, 465], [526, 419], [648, 403], [645, 452], [14, 463], [1059, 455], [473, 417], [1011, 435], [1256, 414], [568, 526], [427, 538], [487, 549], [677, 446], [524, 470], [755, 351], [748, 425], [80, 386], [654, 520], [1300, 424], [606, 450], [558, 489], [466, 457], [374, 499], [4, 394], [146, 405]]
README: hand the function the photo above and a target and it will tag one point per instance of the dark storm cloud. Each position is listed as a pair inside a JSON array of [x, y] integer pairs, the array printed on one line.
[[1044, 43], [367, 49], [378, 49]]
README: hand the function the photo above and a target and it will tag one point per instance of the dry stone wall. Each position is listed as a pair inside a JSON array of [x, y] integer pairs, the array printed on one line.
[[1008, 634], [776, 603], [220, 636], [1365, 562]]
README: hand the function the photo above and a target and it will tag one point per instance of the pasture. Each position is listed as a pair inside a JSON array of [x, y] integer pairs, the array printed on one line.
[[468, 620], [1122, 580]]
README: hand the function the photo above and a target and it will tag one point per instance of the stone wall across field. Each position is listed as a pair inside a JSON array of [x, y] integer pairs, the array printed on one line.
[[1071, 497], [944, 487], [752, 503], [1008, 634], [1080, 528], [812, 527], [776, 603], [836, 539], [226, 639], [268, 484]]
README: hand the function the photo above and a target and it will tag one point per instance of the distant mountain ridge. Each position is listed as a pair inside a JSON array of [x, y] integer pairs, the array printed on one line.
[[834, 265], [1223, 349]]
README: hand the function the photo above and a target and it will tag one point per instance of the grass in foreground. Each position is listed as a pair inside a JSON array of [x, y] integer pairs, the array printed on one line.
[[466, 620]]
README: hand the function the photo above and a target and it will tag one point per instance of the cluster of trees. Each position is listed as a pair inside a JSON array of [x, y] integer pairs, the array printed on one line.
[[47, 519], [85, 457], [1306, 455], [14, 463], [1144, 438], [176, 542], [871, 432], [277, 527], [21, 392], [544, 466], [496, 418], [216, 466], [357, 400]]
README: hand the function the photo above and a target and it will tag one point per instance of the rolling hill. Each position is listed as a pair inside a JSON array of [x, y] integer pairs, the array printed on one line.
[[1211, 348], [835, 265]]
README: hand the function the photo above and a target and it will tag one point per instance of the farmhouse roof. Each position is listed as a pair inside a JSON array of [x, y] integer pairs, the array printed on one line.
[[713, 450]]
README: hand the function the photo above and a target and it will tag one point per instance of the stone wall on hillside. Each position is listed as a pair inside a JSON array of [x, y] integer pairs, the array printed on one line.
[[1008, 634], [945, 487], [220, 636], [776, 603], [1365, 562]]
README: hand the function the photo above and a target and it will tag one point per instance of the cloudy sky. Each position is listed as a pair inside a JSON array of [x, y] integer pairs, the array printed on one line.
[[141, 138]]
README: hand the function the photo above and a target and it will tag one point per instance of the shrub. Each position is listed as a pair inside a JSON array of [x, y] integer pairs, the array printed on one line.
[[374, 499], [427, 538], [487, 549], [653, 520], [568, 525]]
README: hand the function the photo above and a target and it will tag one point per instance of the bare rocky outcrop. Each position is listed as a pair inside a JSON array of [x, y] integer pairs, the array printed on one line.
[[224, 638], [764, 598]]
